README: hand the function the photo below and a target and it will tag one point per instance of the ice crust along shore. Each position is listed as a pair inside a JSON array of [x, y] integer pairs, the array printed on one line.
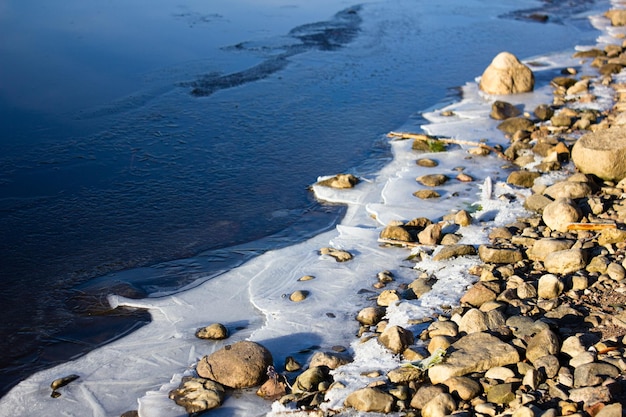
[[250, 300]]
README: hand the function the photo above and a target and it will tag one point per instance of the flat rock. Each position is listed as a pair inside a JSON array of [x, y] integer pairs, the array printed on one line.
[[545, 246], [432, 180], [498, 255], [602, 153], [501, 394], [507, 75], [476, 352]]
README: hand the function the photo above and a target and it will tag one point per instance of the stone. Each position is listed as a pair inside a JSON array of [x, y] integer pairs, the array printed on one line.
[[543, 112], [387, 298], [515, 124], [370, 316], [453, 251], [524, 412], [549, 286], [332, 360], [438, 342], [501, 110], [370, 400], [197, 395], [542, 344], [573, 346], [440, 406], [298, 296], [611, 410], [340, 181], [526, 290], [291, 364], [501, 394], [507, 75], [431, 235], [396, 233], [499, 373], [465, 388], [561, 120], [545, 246], [420, 287], [478, 294], [497, 255], [602, 153], [568, 189], [560, 213], [426, 194], [616, 271], [523, 178], [240, 365], [536, 202], [598, 264], [582, 359], [549, 364], [396, 338], [473, 321], [524, 327], [404, 375], [591, 374], [532, 379], [610, 236], [616, 16], [475, 352], [427, 162], [272, 389], [338, 254], [215, 331], [432, 180], [565, 261], [462, 218], [424, 394], [590, 395], [443, 328], [310, 380]]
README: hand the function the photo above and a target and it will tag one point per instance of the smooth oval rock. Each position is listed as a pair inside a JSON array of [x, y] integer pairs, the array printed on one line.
[[507, 75], [240, 365], [559, 214], [565, 261]]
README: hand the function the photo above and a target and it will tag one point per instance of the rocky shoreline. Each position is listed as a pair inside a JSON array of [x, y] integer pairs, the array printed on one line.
[[542, 332]]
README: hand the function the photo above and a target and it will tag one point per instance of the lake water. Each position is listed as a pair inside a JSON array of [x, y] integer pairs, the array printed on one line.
[[148, 145]]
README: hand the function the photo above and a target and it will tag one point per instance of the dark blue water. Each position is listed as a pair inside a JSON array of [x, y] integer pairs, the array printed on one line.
[[147, 144]]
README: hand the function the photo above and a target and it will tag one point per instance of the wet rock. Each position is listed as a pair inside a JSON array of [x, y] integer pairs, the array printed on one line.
[[396, 338], [560, 213], [565, 261], [507, 75], [501, 110], [440, 406], [432, 180], [523, 178], [542, 344], [498, 255], [453, 251], [240, 365], [602, 153], [197, 395], [340, 181], [469, 354], [370, 400]]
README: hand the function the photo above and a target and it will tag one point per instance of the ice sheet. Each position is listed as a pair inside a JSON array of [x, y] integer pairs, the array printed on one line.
[[252, 300]]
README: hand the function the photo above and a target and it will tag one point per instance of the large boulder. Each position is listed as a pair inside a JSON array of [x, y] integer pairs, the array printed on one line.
[[240, 365], [507, 75], [602, 153]]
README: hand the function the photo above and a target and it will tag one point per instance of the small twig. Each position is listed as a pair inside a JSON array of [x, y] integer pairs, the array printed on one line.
[[591, 226], [419, 136]]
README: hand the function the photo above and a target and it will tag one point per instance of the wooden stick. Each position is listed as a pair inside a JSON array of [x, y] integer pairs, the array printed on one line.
[[591, 226], [420, 136]]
